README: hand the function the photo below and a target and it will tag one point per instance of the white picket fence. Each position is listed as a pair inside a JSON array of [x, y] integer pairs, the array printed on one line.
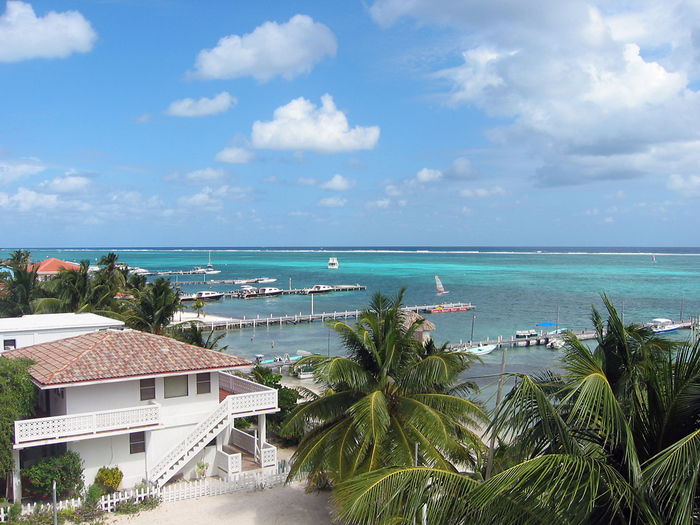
[[182, 490]]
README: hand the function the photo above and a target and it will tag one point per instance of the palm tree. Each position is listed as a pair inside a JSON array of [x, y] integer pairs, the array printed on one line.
[[154, 308], [194, 334], [614, 439], [386, 397], [18, 293], [19, 259]]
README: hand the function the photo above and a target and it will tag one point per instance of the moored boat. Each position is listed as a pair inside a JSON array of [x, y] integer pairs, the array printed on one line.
[[480, 350], [333, 263], [265, 291], [318, 288], [663, 326]]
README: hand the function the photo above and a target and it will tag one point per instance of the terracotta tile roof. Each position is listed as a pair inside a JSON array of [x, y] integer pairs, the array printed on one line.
[[52, 266], [117, 354]]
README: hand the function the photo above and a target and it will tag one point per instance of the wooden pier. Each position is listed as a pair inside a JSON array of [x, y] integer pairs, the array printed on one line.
[[287, 291], [234, 324]]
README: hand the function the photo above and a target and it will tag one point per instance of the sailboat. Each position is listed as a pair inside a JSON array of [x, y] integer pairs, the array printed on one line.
[[440, 288], [210, 267]]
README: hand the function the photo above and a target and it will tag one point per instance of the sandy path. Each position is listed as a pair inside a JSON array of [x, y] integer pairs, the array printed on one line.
[[279, 505]]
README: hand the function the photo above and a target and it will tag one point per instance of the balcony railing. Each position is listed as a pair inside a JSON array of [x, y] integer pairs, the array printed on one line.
[[247, 396], [60, 428]]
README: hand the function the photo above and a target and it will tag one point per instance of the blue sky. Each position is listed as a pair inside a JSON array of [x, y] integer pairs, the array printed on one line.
[[375, 123]]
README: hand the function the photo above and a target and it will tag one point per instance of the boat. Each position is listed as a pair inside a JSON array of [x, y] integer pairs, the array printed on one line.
[[261, 280], [663, 326], [446, 308], [318, 288], [208, 295], [440, 288], [304, 371], [333, 263], [555, 344], [480, 350], [265, 291]]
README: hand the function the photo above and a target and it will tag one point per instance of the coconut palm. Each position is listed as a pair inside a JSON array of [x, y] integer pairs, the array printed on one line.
[[196, 335], [154, 308], [387, 396], [18, 292], [614, 439]]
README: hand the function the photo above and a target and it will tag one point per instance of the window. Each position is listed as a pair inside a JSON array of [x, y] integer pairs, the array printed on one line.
[[9, 344], [137, 442], [148, 389], [175, 386], [204, 383]]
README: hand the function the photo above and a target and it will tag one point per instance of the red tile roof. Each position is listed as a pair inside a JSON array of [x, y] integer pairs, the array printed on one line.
[[52, 266], [118, 354]]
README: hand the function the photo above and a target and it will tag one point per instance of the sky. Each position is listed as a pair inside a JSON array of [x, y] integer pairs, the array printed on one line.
[[163, 123]]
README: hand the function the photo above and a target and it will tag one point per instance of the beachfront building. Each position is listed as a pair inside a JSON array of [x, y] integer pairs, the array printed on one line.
[[17, 332], [151, 405], [49, 268]]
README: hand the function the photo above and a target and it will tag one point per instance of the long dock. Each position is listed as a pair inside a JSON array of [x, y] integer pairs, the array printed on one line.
[[253, 322]]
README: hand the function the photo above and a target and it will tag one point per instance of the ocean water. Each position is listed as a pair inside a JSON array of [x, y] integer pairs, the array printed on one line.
[[512, 289]]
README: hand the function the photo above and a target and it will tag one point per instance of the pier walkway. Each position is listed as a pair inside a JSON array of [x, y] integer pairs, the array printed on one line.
[[232, 323]]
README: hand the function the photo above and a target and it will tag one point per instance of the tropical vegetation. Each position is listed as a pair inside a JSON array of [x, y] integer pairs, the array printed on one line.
[[612, 438], [392, 401]]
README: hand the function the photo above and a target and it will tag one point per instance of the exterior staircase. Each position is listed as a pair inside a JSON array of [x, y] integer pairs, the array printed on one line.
[[231, 407]]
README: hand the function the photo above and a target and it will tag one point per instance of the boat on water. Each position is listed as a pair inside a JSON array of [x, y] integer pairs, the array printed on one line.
[[480, 350], [661, 325], [261, 280], [303, 371], [440, 288], [446, 308], [333, 263], [204, 295], [318, 288], [265, 291]]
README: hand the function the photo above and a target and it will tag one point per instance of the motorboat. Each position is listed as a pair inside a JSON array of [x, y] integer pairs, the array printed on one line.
[[333, 263], [662, 326], [261, 280], [480, 350], [208, 295], [265, 291], [318, 288]]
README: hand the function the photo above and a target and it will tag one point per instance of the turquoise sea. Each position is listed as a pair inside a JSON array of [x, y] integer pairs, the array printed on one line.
[[512, 289]]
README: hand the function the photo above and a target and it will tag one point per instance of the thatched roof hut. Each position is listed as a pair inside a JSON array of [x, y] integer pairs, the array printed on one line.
[[422, 333]]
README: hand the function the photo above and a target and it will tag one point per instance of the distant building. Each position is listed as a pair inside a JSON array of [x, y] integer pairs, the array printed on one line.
[[18, 332], [51, 267]]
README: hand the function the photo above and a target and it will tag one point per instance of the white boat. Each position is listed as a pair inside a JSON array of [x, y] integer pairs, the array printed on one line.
[[481, 350], [440, 288], [208, 295], [662, 326], [318, 288], [333, 263], [265, 291], [261, 280]]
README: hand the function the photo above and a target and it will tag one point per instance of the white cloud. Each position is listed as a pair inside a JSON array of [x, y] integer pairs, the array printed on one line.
[[461, 169], [483, 193], [29, 200], [24, 36], [190, 107], [300, 125], [332, 202], [686, 186], [338, 183], [12, 172], [271, 50], [379, 203], [428, 175], [235, 155], [206, 175], [66, 184]]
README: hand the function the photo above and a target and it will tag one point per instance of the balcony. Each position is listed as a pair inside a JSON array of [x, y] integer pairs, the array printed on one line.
[[61, 429], [246, 398]]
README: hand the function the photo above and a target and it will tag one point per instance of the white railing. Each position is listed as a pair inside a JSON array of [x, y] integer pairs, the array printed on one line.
[[234, 405], [61, 427], [238, 385], [174, 492], [228, 464], [269, 456]]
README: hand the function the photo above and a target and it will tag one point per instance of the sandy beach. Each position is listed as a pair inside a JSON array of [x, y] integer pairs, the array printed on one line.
[[282, 504]]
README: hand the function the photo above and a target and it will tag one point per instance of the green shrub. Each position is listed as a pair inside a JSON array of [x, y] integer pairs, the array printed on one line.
[[66, 469], [132, 506], [93, 494], [109, 479]]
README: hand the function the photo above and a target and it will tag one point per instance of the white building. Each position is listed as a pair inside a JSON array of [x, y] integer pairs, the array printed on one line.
[[151, 405], [17, 332]]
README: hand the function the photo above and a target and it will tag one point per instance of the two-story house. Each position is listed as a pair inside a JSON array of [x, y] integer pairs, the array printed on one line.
[[151, 405]]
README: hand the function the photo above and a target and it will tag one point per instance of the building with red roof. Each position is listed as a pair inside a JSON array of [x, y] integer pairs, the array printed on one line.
[[149, 404], [51, 267]]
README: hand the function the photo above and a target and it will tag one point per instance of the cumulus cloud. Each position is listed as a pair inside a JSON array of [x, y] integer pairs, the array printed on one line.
[[483, 193], [338, 183], [205, 176], [428, 175], [29, 200], [332, 202], [379, 203], [302, 126], [190, 107], [12, 172], [67, 184], [581, 88], [24, 36], [235, 155], [271, 50], [687, 186]]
